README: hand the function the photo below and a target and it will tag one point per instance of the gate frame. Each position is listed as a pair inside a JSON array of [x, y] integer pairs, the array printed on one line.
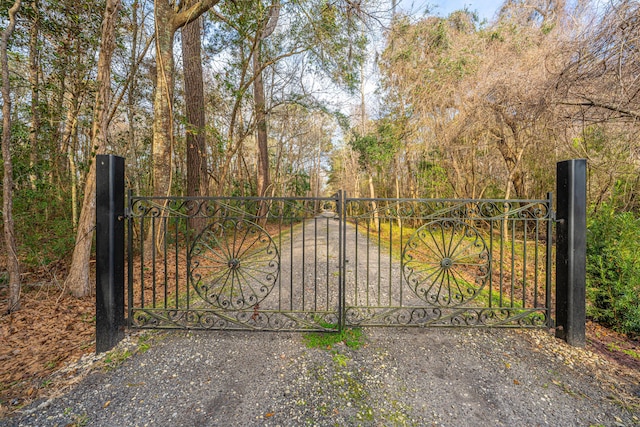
[[570, 256]]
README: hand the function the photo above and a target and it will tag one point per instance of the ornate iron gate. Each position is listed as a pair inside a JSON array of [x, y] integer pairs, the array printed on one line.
[[323, 263], [448, 262]]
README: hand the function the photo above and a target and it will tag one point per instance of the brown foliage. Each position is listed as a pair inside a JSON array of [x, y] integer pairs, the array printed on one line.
[[50, 330]]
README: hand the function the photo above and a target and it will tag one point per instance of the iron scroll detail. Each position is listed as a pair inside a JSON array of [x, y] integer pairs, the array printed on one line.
[[446, 262], [234, 264]]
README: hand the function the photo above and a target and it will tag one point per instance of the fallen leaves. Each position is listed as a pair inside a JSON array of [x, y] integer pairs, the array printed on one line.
[[49, 330]]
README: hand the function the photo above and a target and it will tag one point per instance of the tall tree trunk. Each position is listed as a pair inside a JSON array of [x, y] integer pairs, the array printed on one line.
[[78, 280], [168, 19], [197, 183], [132, 87], [68, 145], [264, 181], [261, 126], [35, 91], [162, 145], [13, 264], [167, 22]]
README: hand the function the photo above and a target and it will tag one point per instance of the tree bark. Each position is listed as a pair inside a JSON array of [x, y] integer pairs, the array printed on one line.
[[197, 181], [13, 264], [167, 22], [261, 127], [78, 280], [264, 181]]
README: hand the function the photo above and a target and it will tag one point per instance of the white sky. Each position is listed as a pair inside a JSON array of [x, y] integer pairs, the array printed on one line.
[[486, 8]]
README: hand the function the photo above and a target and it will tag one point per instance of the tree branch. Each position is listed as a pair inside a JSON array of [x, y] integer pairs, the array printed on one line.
[[191, 13], [591, 103]]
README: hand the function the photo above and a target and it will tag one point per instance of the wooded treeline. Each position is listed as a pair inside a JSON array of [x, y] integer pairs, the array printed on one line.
[[215, 97], [487, 112]]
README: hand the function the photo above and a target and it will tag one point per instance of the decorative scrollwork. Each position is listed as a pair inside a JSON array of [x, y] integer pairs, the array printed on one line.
[[446, 262], [234, 264]]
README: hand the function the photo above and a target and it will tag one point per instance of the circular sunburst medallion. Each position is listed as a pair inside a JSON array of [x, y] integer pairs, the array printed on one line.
[[446, 262], [234, 264]]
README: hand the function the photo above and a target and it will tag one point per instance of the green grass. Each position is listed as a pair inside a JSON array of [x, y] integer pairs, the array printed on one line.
[[351, 337], [116, 358]]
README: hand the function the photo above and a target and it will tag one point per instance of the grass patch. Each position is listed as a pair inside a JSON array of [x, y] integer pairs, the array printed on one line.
[[351, 337], [116, 358]]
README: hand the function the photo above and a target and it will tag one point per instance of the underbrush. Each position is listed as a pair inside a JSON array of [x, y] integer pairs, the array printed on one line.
[[613, 270]]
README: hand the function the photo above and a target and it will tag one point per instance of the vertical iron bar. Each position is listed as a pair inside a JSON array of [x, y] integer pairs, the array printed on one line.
[[130, 256], [187, 245], [341, 255], [390, 257], [327, 284], [303, 260], [501, 275], [166, 257], [110, 223], [536, 278], [524, 265], [281, 211], [177, 250], [368, 241], [379, 254], [491, 263], [550, 217], [142, 260], [355, 270], [401, 279], [291, 218], [513, 255], [315, 261], [153, 257]]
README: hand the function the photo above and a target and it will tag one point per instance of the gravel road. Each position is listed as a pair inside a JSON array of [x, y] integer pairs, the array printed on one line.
[[422, 377], [414, 377]]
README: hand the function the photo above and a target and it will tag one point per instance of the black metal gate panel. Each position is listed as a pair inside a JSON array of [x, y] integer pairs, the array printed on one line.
[[233, 263], [326, 263], [447, 262]]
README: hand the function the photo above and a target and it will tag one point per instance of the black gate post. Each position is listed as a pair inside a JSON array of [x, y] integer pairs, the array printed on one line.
[[571, 251], [109, 251]]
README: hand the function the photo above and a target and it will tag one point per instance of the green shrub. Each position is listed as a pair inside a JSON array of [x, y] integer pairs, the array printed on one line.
[[613, 270]]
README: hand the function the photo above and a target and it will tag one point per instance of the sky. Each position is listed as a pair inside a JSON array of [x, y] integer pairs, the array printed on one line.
[[486, 8]]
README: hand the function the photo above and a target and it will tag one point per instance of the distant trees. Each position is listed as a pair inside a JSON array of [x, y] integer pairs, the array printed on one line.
[[89, 83], [496, 106], [246, 105]]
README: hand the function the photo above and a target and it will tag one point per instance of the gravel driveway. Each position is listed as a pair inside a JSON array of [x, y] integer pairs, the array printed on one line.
[[443, 377], [420, 376]]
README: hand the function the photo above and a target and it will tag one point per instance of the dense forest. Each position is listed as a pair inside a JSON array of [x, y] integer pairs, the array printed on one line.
[[305, 97]]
